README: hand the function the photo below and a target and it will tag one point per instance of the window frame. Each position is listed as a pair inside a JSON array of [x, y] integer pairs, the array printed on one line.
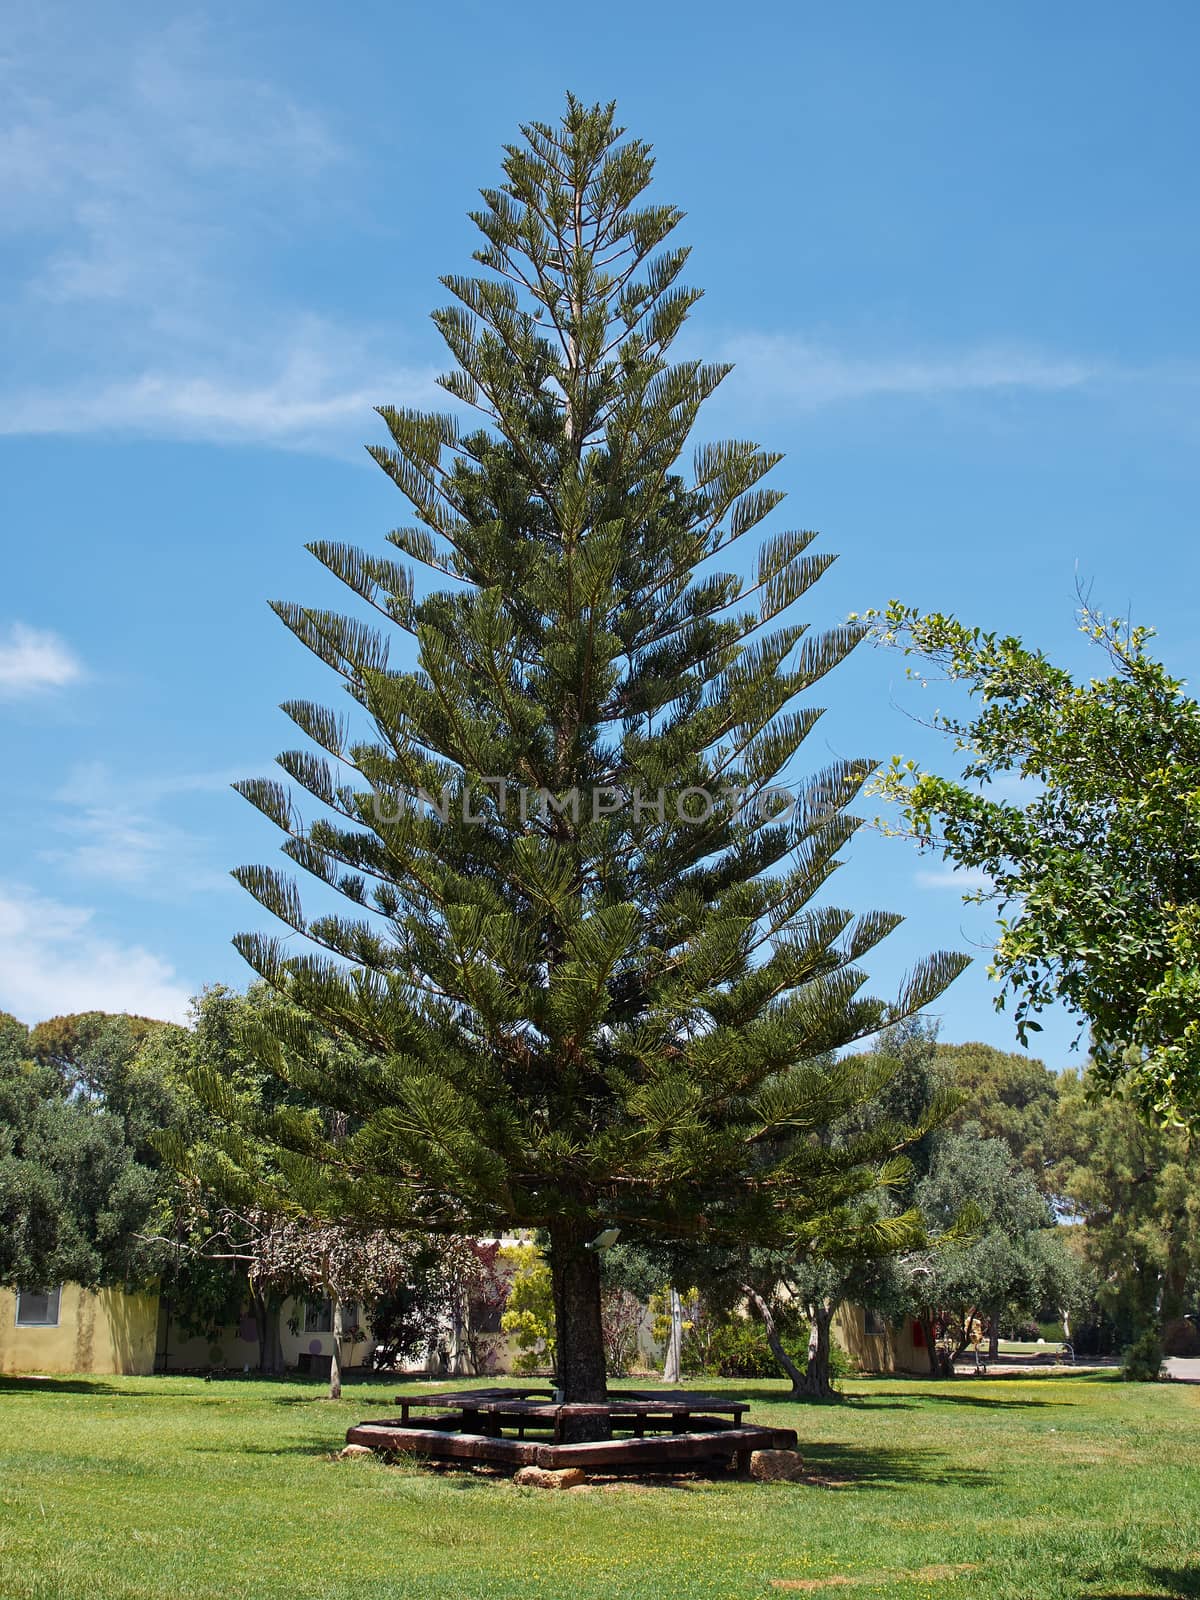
[[318, 1309], [53, 1299]]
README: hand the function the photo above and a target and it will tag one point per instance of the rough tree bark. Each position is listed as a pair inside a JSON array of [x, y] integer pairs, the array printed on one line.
[[339, 1331], [579, 1339], [817, 1382], [774, 1341], [673, 1363], [268, 1307]]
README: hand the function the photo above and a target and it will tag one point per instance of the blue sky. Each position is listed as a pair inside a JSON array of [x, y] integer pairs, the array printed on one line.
[[953, 251]]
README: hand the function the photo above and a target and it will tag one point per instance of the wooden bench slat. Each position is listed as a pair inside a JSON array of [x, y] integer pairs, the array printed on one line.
[[668, 1447], [456, 1446]]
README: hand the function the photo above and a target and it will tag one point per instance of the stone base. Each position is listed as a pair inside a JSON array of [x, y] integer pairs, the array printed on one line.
[[545, 1478]]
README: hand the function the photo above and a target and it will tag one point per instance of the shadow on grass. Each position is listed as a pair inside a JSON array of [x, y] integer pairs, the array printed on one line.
[[880, 1468], [990, 1402], [317, 1448], [1181, 1583], [950, 1394], [67, 1386]]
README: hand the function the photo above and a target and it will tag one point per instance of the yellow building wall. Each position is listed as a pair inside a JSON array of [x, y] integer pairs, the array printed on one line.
[[890, 1351], [236, 1346], [101, 1331]]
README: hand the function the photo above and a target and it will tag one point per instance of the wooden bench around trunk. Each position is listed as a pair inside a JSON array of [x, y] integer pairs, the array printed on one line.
[[443, 1440], [454, 1446], [662, 1447]]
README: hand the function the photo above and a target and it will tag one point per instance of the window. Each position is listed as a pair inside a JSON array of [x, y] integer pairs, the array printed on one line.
[[318, 1316], [38, 1308], [483, 1316]]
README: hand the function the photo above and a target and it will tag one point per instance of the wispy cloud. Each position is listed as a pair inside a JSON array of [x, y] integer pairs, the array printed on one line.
[[131, 161], [116, 833], [33, 660], [810, 373], [53, 959], [162, 199], [308, 394], [968, 880], [167, 202]]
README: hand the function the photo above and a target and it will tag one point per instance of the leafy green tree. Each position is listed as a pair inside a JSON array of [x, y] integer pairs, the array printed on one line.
[[14, 1041], [529, 1315], [74, 1191], [1136, 1189], [1011, 1256], [583, 966], [855, 1253], [1005, 1096], [1095, 864], [223, 1247]]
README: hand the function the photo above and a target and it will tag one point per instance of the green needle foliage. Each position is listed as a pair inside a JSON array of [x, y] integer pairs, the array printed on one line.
[[568, 1008]]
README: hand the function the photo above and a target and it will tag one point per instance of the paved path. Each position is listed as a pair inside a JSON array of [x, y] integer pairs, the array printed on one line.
[[1183, 1369]]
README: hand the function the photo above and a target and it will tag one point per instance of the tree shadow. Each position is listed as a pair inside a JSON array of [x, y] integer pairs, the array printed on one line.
[[989, 1402], [868, 1402], [1182, 1583], [879, 1467], [315, 1448], [11, 1385]]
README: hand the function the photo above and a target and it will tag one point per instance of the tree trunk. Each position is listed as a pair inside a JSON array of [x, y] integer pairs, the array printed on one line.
[[673, 1365], [935, 1365], [274, 1335], [817, 1382], [774, 1341], [994, 1335], [268, 1307], [579, 1341], [335, 1365]]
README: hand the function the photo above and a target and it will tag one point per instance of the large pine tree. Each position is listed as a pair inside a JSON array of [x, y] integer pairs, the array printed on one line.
[[584, 974]]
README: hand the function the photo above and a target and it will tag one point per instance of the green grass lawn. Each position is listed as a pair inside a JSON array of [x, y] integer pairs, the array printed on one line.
[[177, 1489]]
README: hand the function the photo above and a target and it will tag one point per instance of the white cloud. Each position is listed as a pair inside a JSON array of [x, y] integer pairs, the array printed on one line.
[[304, 395], [118, 837], [163, 196], [33, 660], [53, 961], [132, 158], [966, 879], [812, 374]]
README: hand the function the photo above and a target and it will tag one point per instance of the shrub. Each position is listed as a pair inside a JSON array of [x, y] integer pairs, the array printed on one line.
[[1143, 1359], [529, 1316], [743, 1351], [621, 1316]]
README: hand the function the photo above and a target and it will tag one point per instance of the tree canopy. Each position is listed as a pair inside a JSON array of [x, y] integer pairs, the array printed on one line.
[[77, 1173], [1095, 860]]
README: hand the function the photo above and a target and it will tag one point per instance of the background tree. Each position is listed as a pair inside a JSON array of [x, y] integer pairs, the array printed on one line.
[[1004, 1095], [1012, 1254], [1135, 1189], [570, 1007], [1096, 867], [208, 1218], [78, 1177]]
